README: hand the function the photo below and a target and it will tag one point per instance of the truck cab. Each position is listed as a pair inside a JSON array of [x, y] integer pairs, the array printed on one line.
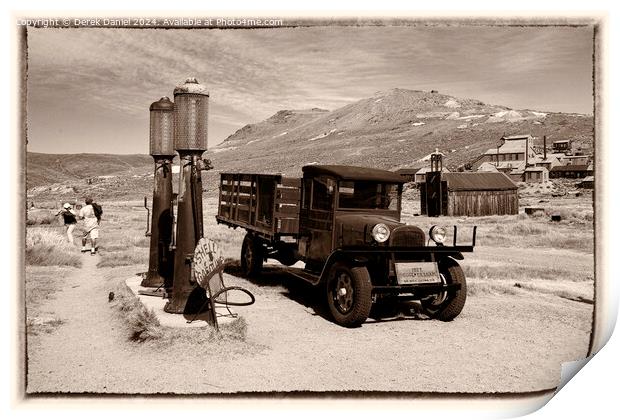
[[349, 234]]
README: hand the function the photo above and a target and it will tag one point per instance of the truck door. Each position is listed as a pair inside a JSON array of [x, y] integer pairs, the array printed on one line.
[[317, 218]]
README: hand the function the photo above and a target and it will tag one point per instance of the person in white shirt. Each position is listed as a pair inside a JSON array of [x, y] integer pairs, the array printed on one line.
[[91, 226]]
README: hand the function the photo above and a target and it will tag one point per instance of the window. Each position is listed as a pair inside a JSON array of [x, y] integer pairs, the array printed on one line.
[[307, 192], [322, 194], [368, 195]]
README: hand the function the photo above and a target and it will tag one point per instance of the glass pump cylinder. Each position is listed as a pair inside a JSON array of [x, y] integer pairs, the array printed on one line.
[[162, 128], [191, 112]]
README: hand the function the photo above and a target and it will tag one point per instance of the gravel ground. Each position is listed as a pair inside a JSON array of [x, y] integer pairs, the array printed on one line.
[[500, 343]]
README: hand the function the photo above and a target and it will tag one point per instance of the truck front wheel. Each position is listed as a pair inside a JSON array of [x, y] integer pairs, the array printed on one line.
[[251, 256], [447, 306], [349, 294]]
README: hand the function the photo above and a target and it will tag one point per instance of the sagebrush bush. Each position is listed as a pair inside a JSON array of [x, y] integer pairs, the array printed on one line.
[[48, 247], [41, 217], [141, 322]]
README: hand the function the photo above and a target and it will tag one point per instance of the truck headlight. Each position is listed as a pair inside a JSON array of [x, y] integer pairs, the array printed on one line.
[[437, 234], [380, 232]]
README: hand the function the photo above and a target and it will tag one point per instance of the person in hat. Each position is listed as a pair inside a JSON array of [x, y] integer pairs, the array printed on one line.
[[70, 220], [91, 226]]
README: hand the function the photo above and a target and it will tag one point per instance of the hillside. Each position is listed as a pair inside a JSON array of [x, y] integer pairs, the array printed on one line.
[[44, 169], [390, 130]]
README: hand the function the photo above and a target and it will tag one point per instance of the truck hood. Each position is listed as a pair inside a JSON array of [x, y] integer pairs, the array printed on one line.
[[354, 229]]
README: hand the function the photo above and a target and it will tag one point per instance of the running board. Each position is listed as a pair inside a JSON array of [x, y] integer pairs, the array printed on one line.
[[313, 279]]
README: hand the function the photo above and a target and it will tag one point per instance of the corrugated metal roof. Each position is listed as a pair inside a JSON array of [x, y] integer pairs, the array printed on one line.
[[517, 136], [478, 181], [570, 168]]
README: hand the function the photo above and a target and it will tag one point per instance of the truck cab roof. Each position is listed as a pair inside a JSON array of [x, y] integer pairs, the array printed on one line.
[[353, 173]]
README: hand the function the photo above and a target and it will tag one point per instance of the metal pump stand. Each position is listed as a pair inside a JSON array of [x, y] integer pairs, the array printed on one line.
[[160, 256], [189, 228]]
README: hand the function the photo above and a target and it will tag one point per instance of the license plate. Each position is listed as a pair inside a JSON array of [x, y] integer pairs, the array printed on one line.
[[417, 272]]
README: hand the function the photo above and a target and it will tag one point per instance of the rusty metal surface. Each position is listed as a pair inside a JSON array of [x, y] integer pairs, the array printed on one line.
[[352, 173], [189, 230], [160, 256]]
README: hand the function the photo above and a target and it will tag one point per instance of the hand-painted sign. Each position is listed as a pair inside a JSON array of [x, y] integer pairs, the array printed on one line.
[[208, 260]]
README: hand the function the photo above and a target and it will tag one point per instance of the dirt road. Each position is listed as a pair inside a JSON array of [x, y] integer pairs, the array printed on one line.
[[500, 343]]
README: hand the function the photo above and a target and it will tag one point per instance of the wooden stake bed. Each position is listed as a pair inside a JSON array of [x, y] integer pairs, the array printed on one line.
[[265, 204]]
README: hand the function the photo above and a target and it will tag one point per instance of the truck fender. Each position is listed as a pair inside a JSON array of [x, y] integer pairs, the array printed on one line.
[[457, 256], [339, 255]]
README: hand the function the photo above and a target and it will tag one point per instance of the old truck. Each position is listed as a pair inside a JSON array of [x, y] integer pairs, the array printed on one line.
[[344, 223]]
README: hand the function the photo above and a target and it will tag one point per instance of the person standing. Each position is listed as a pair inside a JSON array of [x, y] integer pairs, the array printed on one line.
[[91, 226], [69, 217]]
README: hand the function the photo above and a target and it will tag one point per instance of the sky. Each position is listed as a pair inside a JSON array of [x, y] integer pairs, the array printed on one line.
[[89, 89]]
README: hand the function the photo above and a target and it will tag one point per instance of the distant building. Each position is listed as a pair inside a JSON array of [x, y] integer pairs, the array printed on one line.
[[536, 174], [549, 162], [407, 173], [571, 171], [561, 146], [587, 183], [420, 175], [487, 167], [575, 160], [474, 194], [512, 149]]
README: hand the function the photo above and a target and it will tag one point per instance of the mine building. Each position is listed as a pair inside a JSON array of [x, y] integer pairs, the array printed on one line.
[[536, 174], [420, 175], [571, 171], [561, 146], [510, 151]]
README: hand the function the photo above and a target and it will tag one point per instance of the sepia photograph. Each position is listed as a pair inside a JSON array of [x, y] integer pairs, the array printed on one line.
[[307, 207]]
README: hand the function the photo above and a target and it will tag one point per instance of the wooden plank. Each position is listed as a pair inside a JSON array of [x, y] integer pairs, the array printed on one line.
[[288, 226], [288, 194], [287, 210]]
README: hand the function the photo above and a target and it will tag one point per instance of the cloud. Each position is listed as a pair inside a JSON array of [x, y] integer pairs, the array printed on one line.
[[251, 74]]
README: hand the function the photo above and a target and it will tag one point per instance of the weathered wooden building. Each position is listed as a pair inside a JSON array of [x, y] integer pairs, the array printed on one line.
[[473, 194]]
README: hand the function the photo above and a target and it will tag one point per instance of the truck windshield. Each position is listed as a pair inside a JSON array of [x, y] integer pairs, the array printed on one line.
[[367, 195]]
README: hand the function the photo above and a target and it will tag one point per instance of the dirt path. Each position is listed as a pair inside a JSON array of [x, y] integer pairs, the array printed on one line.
[[500, 343]]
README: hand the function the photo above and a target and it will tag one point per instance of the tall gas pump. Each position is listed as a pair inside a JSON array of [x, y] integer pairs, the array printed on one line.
[[191, 108], [162, 149]]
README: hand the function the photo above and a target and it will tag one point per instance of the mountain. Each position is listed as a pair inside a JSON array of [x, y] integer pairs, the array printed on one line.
[[389, 130]]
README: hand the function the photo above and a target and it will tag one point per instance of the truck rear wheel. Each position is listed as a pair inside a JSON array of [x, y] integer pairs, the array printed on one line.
[[447, 306], [251, 256], [349, 294]]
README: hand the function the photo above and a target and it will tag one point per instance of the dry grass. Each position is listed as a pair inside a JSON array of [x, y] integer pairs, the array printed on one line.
[[522, 272], [47, 247], [41, 285], [122, 240], [142, 324], [129, 256]]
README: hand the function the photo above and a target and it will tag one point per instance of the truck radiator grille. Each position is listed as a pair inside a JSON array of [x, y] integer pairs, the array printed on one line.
[[407, 236]]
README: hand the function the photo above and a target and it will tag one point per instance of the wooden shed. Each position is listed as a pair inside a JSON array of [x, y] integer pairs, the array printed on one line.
[[475, 194]]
